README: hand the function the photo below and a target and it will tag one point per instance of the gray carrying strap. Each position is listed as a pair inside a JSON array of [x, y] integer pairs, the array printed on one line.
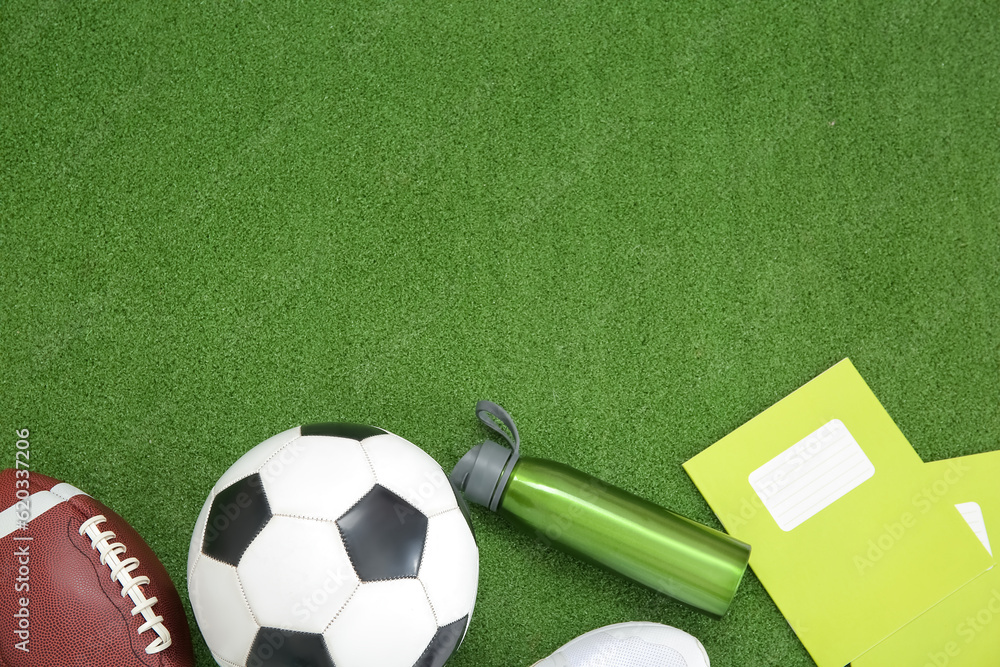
[[482, 474], [490, 413]]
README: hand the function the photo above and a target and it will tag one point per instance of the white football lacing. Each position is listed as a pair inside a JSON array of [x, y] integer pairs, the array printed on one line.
[[120, 571]]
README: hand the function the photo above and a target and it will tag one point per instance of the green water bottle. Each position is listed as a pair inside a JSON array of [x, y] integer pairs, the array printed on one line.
[[600, 523]]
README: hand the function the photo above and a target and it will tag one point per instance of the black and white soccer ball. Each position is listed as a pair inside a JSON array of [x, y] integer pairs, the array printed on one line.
[[333, 545]]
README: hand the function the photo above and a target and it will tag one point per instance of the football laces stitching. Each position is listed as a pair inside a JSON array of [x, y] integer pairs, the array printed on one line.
[[131, 586]]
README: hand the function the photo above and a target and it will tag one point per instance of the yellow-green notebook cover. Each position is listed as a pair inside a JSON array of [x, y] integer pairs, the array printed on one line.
[[963, 630], [821, 485]]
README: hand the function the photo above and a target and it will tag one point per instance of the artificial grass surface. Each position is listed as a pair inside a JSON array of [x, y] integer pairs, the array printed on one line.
[[633, 225]]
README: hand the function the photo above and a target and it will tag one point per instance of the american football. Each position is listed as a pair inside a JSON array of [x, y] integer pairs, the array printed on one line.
[[79, 586]]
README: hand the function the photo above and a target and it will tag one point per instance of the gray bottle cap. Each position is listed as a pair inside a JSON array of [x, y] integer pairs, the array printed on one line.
[[482, 474]]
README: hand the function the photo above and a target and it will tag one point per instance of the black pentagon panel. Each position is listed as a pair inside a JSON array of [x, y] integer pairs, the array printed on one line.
[[286, 648], [239, 512], [443, 644], [384, 536], [341, 430]]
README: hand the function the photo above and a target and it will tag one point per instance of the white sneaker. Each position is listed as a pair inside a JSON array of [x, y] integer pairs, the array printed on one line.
[[630, 645]]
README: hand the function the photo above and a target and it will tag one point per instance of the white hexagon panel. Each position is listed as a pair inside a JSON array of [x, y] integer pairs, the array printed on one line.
[[410, 473], [449, 570], [297, 572], [318, 477], [251, 462], [222, 612], [385, 623]]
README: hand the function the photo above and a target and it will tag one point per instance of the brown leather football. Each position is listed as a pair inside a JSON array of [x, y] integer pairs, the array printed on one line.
[[78, 586]]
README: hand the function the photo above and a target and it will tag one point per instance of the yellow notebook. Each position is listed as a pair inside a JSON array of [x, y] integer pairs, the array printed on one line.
[[823, 486], [963, 630]]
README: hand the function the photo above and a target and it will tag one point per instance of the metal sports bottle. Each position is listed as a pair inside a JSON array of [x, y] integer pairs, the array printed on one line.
[[603, 524]]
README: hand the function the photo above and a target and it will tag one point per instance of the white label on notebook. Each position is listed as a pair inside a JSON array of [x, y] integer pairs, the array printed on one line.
[[811, 475], [973, 515]]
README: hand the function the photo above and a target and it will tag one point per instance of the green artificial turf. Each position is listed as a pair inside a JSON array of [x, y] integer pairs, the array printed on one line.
[[635, 225]]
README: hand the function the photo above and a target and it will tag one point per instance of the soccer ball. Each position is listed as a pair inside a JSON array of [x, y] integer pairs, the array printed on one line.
[[333, 545]]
